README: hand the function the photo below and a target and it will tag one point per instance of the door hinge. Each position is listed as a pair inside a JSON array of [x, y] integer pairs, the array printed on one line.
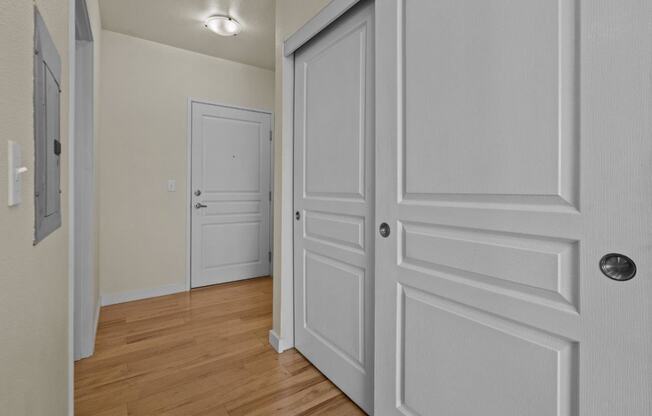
[[270, 196], [269, 254], [270, 135]]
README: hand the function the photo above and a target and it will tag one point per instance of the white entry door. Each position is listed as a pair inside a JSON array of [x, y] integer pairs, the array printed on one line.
[[514, 143], [333, 200], [230, 194]]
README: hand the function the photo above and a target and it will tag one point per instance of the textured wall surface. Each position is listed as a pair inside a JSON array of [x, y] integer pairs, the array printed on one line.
[[33, 279]]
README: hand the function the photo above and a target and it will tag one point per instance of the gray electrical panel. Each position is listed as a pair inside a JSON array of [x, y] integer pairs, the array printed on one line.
[[47, 134]]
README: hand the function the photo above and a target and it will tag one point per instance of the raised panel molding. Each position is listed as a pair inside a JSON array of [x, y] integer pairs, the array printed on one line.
[[239, 251], [336, 135], [463, 352], [222, 207], [543, 269], [237, 169], [344, 231], [498, 128], [336, 286]]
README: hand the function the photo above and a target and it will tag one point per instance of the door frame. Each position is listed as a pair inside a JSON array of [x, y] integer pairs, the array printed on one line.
[[83, 261], [191, 101], [282, 338]]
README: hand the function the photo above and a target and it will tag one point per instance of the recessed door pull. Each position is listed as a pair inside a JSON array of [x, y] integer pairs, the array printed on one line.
[[618, 267]]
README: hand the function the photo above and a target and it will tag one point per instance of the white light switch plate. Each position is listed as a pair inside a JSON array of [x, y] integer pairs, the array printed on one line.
[[16, 170], [172, 185]]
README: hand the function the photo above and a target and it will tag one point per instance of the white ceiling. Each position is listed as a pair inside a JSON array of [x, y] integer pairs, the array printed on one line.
[[180, 23]]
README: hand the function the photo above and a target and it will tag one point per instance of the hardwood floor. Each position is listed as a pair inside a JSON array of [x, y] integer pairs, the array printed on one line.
[[200, 353]]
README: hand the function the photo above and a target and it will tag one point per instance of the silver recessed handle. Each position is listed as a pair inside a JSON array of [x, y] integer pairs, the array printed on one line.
[[618, 267], [384, 230], [199, 205]]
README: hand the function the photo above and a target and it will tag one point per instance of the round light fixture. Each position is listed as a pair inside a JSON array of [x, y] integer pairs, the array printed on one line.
[[223, 25]]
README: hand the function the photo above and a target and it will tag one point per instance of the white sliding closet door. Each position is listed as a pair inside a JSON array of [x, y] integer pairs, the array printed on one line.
[[333, 199], [514, 143]]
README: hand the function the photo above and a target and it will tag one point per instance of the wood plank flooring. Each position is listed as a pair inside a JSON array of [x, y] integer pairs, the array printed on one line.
[[200, 353]]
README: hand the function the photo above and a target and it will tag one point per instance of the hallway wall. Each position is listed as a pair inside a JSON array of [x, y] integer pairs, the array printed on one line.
[[145, 88], [34, 344]]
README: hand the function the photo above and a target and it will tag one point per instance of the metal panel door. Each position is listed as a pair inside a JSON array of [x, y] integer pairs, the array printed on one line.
[[333, 199], [230, 194], [513, 152]]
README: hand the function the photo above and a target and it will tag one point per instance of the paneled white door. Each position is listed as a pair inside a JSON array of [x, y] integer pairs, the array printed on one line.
[[230, 194], [333, 199], [514, 150]]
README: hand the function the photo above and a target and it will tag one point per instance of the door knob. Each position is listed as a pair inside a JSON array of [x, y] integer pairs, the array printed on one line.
[[199, 205], [197, 192], [618, 267], [384, 230], [297, 215]]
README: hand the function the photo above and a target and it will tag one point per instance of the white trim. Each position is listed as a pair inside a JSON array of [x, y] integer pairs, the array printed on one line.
[[319, 22], [96, 324], [191, 100], [277, 343], [237, 107], [286, 258], [122, 297], [82, 191], [272, 156], [88, 352], [83, 29], [71, 205], [188, 283]]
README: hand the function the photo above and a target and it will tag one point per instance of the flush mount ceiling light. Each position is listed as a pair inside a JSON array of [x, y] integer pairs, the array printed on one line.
[[223, 25]]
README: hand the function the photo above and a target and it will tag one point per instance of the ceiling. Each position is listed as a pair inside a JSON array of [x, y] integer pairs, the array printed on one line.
[[180, 23]]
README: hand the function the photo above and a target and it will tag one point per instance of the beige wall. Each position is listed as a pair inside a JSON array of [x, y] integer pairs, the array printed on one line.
[[33, 279], [290, 16], [143, 127]]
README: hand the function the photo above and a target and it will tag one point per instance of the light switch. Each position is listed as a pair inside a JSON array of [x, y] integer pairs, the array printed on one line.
[[172, 185], [16, 170]]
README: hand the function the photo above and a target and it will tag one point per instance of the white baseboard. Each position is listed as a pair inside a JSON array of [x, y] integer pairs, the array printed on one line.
[[96, 324], [278, 343], [113, 298], [87, 347]]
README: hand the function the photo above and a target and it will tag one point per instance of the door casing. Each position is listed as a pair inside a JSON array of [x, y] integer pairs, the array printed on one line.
[[83, 221]]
